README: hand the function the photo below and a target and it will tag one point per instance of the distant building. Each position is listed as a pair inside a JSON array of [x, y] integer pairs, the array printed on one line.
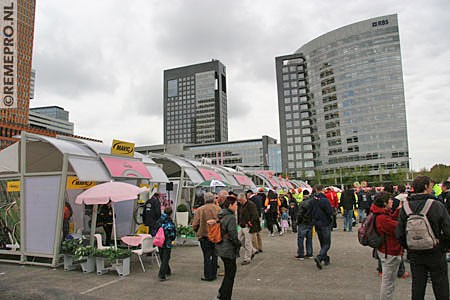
[[195, 104], [52, 118], [32, 83], [341, 103], [251, 154]]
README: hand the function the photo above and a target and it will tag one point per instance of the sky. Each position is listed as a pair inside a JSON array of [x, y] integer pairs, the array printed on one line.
[[103, 61]]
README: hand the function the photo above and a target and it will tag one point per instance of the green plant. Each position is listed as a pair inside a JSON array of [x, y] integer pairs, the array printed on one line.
[[113, 253], [70, 246], [185, 230], [84, 251], [182, 208]]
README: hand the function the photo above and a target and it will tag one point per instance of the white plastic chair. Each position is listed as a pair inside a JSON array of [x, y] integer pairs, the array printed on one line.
[[147, 247], [100, 246]]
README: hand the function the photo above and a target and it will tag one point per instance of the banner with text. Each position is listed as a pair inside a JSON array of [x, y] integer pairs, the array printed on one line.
[[8, 49]]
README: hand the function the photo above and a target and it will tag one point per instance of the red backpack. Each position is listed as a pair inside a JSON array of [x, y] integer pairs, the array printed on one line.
[[367, 233]]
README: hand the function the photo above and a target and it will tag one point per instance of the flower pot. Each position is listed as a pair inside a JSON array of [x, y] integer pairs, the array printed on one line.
[[89, 265], [182, 218]]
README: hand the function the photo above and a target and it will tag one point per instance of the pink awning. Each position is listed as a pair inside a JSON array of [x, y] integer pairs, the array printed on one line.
[[209, 174], [289, 185], [121, 167], [243, 180], [273, 182]]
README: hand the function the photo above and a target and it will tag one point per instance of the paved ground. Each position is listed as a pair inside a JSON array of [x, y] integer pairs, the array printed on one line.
[[272, 274]]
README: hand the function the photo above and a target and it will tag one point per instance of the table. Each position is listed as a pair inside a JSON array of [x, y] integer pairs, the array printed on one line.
[[134, 240]]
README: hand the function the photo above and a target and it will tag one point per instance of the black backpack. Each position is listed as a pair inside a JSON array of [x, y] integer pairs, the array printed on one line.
[[367, 233]]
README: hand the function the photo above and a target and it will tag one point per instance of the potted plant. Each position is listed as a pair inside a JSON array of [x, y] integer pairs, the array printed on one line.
[[182, 215], [68, 248], [113, 259], [87, 252]]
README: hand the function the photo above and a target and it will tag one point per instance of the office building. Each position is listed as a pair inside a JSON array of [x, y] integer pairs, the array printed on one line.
[[195, 104], [251, 154], [342, 105], [53, 118]]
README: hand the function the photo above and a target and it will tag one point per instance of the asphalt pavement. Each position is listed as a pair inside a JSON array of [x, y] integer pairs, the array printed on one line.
[[273, 274]]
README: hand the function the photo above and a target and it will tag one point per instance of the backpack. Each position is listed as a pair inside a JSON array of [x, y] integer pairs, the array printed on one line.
[[367, 233], [159, 239], [214, 231], [419, 234]]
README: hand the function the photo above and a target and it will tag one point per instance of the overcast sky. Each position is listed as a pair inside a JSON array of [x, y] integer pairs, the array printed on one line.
[[103, 61]]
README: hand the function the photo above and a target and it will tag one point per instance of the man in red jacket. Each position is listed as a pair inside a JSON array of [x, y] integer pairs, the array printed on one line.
[[390, 251]]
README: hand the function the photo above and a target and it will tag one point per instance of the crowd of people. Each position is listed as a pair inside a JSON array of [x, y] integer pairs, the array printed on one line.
[[243, 216]]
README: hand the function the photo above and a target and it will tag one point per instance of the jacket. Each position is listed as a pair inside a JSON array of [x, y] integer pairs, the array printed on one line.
[[258, 199], [304, 216], [348, 199], [333, 198], [230, 245], [439, 220], [386, 225], [363, 200], [445, 199], [248, 216], [321, 210], [152, 212], [170, 231], [272, 206], [204, 213]]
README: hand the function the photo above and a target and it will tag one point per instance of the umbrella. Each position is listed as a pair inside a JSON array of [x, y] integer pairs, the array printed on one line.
[[114, 191], [213, 183]]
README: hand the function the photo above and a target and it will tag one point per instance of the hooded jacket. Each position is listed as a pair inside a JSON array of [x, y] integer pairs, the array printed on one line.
[[439, 220], [230, 245], [321, 210], [170, 231], [348, 199], [386, 224]]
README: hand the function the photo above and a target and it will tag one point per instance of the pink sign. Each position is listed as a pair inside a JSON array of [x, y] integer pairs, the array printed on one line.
[[242, 179], [119, 167], [209, 174]]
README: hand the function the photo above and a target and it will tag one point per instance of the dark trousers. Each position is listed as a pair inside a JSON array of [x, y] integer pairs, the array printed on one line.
[[209, 259], [324, 234], [226, 288], [304, 232], [164, 269], [108, 231], [438, 270], [272, 219]]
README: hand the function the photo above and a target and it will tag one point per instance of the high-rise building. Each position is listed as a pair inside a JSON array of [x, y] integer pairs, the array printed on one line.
[[18, 31], [342, 105], [195, 104], [53, 118]]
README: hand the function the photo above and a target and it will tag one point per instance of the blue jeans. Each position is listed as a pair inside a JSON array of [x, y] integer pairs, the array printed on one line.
[[324, 234], [361, 214], [304, 231], [209, 259], [348, 216]]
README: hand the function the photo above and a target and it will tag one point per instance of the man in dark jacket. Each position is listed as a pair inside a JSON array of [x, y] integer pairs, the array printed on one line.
[[305, 225], [363, 204], [348, 202], [152, 213], [248, 220], [431, 261], [259, 202], [321, 215], [444, 197]]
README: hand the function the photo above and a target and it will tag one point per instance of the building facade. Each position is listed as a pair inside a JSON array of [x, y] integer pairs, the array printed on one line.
[[195, 104], [342, 105], [13, 120], [53, 118], [251, 154]]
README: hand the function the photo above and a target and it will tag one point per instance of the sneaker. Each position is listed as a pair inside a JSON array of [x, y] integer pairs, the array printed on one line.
[[318, 264], [309, 256], [245, 262], [299, 256], [220, 273], [272, 235], [405, 275], [162, 278], [281, 233]]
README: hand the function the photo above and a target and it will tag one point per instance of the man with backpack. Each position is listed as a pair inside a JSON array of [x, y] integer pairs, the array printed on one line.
[[424, 229], [206, 212]]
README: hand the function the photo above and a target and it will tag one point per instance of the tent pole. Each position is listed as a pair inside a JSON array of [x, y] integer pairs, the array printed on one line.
[[114, 225], [23, 164], [93, 223]]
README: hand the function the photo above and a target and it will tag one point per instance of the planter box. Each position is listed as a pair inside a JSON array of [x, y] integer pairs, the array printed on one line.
[[182, 218], [89, 265], [69, 262], [121, 265]]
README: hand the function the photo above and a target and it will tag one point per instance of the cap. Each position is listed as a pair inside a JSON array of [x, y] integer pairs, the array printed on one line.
[[261, 190], [299, 190]]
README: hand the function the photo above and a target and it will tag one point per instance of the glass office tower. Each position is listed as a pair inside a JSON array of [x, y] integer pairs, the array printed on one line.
[[342, 105], [195, 104]]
